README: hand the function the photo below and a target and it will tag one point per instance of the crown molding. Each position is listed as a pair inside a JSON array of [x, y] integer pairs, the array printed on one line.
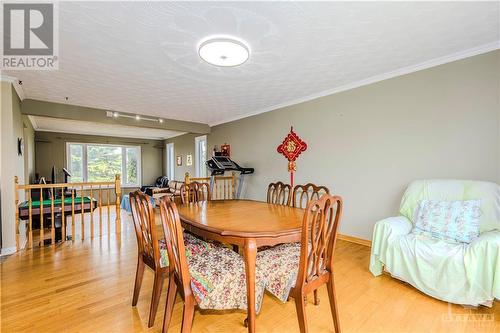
[[377, 78], [15, 83], [34, 123]]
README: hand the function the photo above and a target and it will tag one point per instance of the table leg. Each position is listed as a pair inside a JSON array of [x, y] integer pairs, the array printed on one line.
[[250, 254]]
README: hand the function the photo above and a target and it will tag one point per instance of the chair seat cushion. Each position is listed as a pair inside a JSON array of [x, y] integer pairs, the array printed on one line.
[[218, 280], [280, 264], [163, 254], [192, 244]]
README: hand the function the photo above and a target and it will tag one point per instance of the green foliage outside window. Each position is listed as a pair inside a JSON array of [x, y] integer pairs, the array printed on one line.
[[132, 165], [103, 163], [76, 163]]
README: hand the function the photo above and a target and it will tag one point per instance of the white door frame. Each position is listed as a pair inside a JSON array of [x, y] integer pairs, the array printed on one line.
[[170, 161], [199, 170]]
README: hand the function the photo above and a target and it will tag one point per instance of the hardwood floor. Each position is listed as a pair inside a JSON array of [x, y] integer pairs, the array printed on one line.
[[86, 286]]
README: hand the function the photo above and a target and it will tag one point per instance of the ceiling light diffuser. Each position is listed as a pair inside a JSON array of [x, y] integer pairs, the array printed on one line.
[[224, 52]]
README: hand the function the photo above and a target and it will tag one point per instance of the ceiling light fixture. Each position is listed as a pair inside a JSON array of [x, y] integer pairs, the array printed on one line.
[[224, 51], [117, 115]]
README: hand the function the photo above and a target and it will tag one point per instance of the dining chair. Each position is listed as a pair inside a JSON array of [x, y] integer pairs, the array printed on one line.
[[195, 192], [151, 252], [303, 194], [296, 269], [279, 193], [214, 280]]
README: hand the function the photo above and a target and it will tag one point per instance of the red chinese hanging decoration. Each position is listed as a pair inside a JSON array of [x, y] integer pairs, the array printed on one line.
[[291, 148]]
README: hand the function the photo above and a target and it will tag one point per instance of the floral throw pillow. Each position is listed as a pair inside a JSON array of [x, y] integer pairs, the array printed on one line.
[[456, 221]]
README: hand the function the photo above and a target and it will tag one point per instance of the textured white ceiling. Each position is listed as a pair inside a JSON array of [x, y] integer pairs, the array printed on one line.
[[141, 57], [46, 124]]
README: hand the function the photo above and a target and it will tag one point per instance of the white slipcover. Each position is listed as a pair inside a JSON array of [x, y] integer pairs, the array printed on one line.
[[453, 272]]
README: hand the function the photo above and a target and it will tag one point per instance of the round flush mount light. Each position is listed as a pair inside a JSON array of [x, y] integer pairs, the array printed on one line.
[[224, 51]]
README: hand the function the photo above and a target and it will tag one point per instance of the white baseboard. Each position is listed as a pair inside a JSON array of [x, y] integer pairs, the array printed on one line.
[[7, 251]]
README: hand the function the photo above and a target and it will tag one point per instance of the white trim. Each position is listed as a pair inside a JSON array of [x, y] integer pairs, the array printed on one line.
[[124, 158], [170, 161], [131, 136], [15, 83], [6, 251], [36, 127], [33, 122], [380, 77], [198, 168], [176, 135]]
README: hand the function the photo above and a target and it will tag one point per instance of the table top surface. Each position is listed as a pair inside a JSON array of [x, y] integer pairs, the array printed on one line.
[[243, 218]]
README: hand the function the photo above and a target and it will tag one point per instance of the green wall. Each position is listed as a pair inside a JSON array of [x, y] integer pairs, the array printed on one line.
[[183, 146], [368, 143]]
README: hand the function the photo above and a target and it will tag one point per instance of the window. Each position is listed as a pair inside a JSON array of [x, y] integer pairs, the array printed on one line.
[[100, 163], [200, 155], [170, 161]]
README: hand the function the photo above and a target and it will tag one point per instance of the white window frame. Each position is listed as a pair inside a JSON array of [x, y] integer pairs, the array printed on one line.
[[124, 161], [200, 170], [170, 156]]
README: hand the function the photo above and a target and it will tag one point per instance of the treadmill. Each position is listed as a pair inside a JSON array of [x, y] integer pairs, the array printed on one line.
[[218, 165]]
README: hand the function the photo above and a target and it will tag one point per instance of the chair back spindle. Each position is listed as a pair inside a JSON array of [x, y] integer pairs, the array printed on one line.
[[195, 192], [143, 217], [221, 187], [303, 194], [279, 193], [319, 234], [174, 239]]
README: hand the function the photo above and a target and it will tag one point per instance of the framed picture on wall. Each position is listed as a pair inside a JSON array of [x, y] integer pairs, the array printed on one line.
[[179, 160], [189, 160]]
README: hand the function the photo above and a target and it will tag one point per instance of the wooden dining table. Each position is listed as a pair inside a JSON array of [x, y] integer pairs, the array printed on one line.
[[247, 224]]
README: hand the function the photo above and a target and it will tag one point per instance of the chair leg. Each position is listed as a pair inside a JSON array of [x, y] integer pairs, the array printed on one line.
[[138, 280], [155, 298], [301, 313], [169, 308], [187, 316], [316, 297], [333, 304]]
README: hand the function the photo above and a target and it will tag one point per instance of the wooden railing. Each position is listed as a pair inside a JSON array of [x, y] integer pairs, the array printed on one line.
[[221, 187], [80, 203]]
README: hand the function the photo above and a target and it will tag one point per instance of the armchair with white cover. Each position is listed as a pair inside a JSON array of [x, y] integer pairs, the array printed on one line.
[[454, 272]]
